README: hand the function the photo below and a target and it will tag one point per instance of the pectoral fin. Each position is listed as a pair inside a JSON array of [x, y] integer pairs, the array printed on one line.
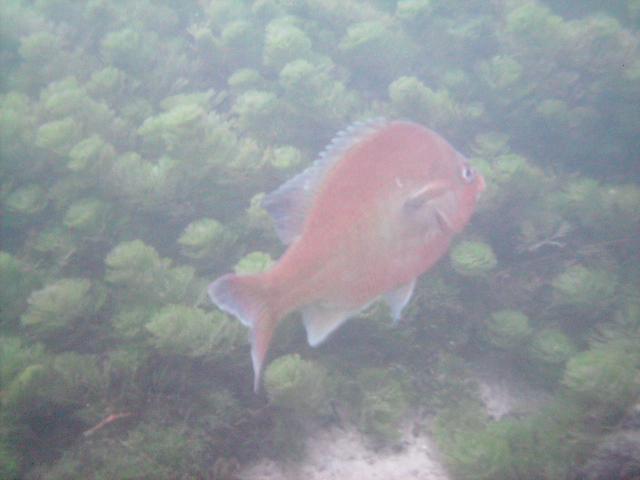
[[397, 299], [423, 196]]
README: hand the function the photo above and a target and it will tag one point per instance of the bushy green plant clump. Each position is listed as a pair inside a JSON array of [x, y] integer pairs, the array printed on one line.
[[551, 347], [192, 332], [508, 329], [585, 288], [297, 384], [254, 262], [472, 259], [88, 216], [384, 401], [206, 238], [141, 274], [284, 42], [539, 446], [62, 304], [604, 377], [18, 279], [413, 99], [147, 451], [27, 200]]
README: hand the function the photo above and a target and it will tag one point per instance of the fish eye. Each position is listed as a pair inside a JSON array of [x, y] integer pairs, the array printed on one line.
[[468, 174]]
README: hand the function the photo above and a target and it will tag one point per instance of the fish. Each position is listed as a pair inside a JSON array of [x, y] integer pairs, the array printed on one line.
[[378, 208]]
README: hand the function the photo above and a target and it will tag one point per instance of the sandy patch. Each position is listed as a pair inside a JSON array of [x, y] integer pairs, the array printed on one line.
[[343, 454]]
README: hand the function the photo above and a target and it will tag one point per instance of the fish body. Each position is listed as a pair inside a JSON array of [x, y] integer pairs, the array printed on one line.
[[376, 210]]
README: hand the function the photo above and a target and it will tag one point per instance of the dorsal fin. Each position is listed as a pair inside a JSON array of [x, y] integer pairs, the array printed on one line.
[[290, 203]]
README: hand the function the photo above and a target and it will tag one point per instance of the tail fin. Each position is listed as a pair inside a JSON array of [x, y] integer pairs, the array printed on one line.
[[245, 297]]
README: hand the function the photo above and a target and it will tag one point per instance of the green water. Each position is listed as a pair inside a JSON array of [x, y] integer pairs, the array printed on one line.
[[137, 139]]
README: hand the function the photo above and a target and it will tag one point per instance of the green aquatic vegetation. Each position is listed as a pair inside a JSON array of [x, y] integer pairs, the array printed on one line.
[[584, 288], [254, 262], [600, 43], [141, 275], [62, 304], [255, 111], [544, 445], [245, 79], [9, 461], [414, 12], [130, 323], [533, 26], [107, 83], [131, 50], [296, 384], [141, 182], [91, 155], [206, 238], [18, 279], [501, 73], [413, 99], [605, 378], [283, 43], [88, 216], [257, 217], [490, 145], [67, 98], [472, 258], [192, 332], [15, 356], [508, 329], [27, 200], [174, 128], [66, 381], [243, 39], [377, 48], [286, 158], [152, 449], [551, 347], [554, 111], [384, 402], [59, 136], [16, 124], [310, 87]]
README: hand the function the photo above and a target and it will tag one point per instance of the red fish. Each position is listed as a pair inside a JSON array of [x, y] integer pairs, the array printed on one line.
[[377, 209]]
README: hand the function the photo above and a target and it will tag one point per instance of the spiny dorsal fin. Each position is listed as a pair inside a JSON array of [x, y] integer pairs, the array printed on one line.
[[290, 203]]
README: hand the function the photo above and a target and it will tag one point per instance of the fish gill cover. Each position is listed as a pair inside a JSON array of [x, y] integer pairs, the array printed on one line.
[[137, 140]]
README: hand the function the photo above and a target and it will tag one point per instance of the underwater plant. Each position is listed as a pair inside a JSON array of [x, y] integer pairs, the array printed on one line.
[[206, 238], [253, 262], [140, 274], [585, 288], [91, 155], [551, 347], [283, 43], [62, 303], [508, 329], [294, 383], [59, 136], [472, 258], [87, 216], [605, 378], [189, 331], [384, 401], [28, 200], [413, 99]]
